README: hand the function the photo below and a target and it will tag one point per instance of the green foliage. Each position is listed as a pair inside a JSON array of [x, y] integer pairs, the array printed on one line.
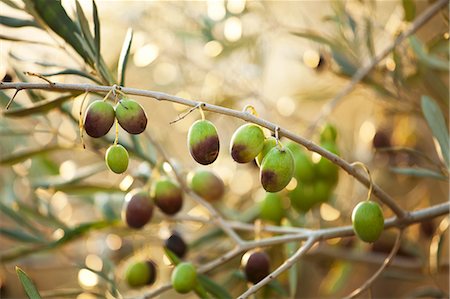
[[28, 285]]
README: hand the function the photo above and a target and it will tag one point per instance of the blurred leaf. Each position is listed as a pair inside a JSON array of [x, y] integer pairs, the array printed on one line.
[[419, 172], [369, 37], [293, 271], [73, 72], [40, 107], [277, 287], [427, 59], [27, 284], [81, 174], [46, 219], [436, 122], [12, 4], [174, 259], [19, 235], [53, 14], [25, 154], [206, 238], [336, 278], [409, 7], [84, 26], [21, 40], [96, 31], [314, 36], [434, 84], [345, 65], [427, 292], [86, 188], [16, 23], [18, 218], [213, 288], [123, 59], [82, 229]]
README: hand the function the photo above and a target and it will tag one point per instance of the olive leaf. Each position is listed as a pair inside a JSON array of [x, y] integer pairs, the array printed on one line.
[[213, 288], [123, 58], [40, 107], [419, 172], [436, 122], [16, 23], [28, 284]]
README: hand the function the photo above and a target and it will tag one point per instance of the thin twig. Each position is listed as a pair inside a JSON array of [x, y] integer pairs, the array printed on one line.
[[386, 263], [160, 96], [364, 71]]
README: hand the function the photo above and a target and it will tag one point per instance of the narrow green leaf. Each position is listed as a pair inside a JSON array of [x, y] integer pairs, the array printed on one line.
[[436, 122], [314, 36], [12, 4], [293, 271], [345, 64], [25, 154], [96, 31], [427, 59], [18, 218], [27, 284], [53, 14], [419, 172], [40, 107], [85, 30], [172, 256], [369, 37], [123, 59], [73, 72], [409, 8], [21, 40], [86, 188], [81, 174], [19, 235], [16, 23], [216, 290]]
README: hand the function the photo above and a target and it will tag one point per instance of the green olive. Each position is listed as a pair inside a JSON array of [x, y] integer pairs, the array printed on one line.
[[368, 221], [116, 158], [184, 277]]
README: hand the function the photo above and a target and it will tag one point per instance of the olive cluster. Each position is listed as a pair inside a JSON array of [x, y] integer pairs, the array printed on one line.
[[100, 117]]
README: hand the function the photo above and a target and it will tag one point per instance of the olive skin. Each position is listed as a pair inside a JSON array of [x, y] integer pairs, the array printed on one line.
[[246, 143], [99, 118], [325, 169], [368, 221], [184, 277], [304, 167], [256, 265], [277, 169], [203, 142], [138, 208], [131, 116], [141, 273], [116, 158], [176, 244], [271, 207], [303, 197], [207, 185], [269, 143], [168, 196]]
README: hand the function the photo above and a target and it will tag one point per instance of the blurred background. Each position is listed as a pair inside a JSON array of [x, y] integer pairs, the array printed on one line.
[[286, 58]]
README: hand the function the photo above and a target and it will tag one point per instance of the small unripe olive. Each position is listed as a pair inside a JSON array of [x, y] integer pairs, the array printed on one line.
[[168, 196], [328, 133], [203, 142], [368, 221], [140, 273], [246, 143], [131, 116], [176, 244], [303, 197], [138, 208], [271, 207], [99, 118], [256, 265], [207, 185], [184, 277], [116, 158], [277, 169], [326, 169], [269, 143], [304, 167]]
